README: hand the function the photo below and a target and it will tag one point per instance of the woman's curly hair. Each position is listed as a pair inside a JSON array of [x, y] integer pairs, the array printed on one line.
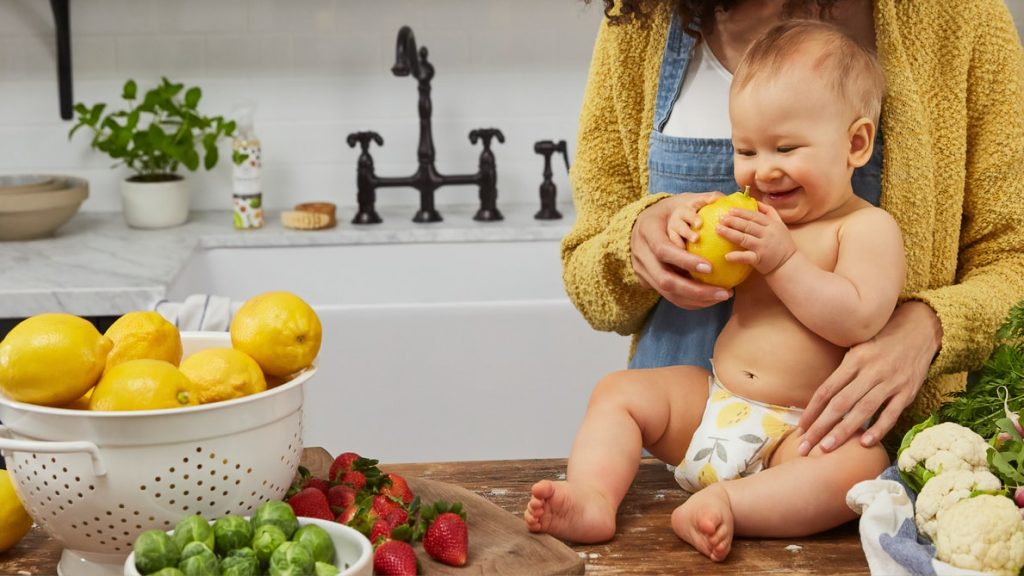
[[703, 10]]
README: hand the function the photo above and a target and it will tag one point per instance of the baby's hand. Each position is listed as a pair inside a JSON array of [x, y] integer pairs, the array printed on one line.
[[683, 223], [764, 238]]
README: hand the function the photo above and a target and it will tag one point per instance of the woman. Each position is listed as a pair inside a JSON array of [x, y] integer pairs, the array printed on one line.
[[949, 163]]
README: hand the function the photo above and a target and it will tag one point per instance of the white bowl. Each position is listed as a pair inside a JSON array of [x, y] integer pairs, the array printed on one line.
[[353, 551], [95, 480]]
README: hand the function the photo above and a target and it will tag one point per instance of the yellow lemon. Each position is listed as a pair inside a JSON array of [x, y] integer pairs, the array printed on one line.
[[279, 330], [707, 476], [52, 359], [732, 414], [142, 385], [221, 374], [82, 403], [713, 248], [14, 520], [143, 335]]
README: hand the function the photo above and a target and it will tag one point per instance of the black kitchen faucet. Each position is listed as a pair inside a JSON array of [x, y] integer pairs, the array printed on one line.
[[426, 179]]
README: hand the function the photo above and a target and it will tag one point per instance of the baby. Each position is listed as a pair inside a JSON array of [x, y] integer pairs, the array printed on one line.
[[829, 267]]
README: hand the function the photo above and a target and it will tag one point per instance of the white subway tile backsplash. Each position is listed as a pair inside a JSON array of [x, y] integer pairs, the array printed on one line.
[[25, 18], [204, 16], [171, 56], [304, 17], [317, 70], [248, 56]]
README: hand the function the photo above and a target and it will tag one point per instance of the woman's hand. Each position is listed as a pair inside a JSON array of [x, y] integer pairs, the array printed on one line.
[[887, 370], [664, 266]]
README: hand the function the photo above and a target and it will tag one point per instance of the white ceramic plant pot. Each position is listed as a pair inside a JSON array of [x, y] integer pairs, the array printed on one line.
[[155, 204]]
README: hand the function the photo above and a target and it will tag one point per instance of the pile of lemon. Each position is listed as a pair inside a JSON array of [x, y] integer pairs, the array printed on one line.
[[62, 360]]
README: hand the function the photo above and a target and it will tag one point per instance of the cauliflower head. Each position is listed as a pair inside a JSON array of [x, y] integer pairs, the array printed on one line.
[[984, 533], [942, 448], [944, 490]]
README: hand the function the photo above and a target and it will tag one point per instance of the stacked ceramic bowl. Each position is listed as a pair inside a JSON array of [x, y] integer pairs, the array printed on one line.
[[35, 206]]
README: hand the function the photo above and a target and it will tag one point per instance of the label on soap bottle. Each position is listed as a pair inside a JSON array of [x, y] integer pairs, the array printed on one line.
[[247, 185]]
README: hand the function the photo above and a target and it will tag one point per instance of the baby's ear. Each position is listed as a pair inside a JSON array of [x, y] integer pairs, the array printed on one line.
[[862, 142]]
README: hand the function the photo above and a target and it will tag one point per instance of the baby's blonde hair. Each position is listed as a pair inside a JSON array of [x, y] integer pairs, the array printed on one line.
[[852, 71]]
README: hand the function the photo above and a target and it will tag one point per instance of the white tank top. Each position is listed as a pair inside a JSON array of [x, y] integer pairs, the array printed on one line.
[[702, 108]]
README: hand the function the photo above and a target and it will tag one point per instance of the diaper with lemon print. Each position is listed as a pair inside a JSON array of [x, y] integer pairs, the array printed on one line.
[[735, 438]]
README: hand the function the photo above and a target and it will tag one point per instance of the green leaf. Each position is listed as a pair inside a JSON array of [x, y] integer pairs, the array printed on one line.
[[192, 97], [129, 91], [212, 155]]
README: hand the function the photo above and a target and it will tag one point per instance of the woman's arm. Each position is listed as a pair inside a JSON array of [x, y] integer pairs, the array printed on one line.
[[617, 259]]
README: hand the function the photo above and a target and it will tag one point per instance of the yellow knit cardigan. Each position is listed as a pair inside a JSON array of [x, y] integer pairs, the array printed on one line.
[[953, 171]]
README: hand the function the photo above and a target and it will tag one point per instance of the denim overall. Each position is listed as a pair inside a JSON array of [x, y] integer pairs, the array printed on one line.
[[671, 335]]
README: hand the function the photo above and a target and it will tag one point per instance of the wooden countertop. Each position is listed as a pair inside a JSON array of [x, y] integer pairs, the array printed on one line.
[[644, 544]]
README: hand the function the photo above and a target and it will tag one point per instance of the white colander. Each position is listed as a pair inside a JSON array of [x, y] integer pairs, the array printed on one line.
[[95, 480]]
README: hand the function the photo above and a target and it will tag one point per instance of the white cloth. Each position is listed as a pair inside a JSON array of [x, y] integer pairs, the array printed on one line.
[[199, 312], [888, 534], [702, 108]]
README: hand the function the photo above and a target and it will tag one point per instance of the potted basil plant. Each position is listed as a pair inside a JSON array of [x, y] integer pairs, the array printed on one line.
[[155, 137]]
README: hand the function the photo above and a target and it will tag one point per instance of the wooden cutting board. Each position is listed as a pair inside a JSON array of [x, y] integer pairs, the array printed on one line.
[[499, 542]]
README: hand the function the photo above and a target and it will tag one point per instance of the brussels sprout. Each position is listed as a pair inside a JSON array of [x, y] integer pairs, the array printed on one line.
[[193, 529], [155, 550], [240, 566], [277, 513], [244, 552], [231, 532], [325, 569], [317, 540], [170, 571], [198, 560], [265, 540], [292, 559]]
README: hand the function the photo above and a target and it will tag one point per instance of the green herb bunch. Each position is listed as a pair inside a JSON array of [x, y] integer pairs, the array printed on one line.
[[156, 136], [981, 405]]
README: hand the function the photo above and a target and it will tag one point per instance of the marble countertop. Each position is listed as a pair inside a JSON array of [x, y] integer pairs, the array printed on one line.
[[97, 266]]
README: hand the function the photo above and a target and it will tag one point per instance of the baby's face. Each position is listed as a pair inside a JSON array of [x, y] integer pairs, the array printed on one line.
[[792, 142]]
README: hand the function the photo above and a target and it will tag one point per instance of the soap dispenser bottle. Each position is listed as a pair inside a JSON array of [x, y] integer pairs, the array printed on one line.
[[246, 173]]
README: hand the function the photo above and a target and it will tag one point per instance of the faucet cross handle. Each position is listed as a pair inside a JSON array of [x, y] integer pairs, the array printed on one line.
[[364, 139], [486, 135]]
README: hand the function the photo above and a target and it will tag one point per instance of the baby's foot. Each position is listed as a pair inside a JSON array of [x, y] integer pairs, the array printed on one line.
[[570, 512], [705, 521]]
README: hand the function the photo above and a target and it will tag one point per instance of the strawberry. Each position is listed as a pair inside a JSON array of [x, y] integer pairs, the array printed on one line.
[[394, 557], [311, 503], [346, 515], [340, 496], [447, 537], [353, 478], [398, 488], [381, 529], [342, 463], [382, 504], [318, 483], [396, 517]]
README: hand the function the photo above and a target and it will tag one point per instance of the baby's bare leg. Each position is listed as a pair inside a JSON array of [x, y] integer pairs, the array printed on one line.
[[795, 496], [628, 410]]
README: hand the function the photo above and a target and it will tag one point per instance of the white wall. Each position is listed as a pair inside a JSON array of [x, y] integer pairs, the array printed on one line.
[[318, 70]]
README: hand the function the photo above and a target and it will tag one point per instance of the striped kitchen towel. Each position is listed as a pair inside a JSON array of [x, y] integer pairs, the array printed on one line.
[[202, 312], [888, 534]]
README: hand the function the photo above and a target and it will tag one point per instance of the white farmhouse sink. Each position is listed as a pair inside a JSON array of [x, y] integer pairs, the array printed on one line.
[[432, 351]]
